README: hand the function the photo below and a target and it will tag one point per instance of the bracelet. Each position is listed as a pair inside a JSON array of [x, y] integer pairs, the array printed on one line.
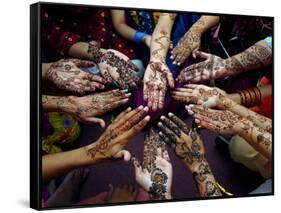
[[94, 50], [139, 36], [251, 97]]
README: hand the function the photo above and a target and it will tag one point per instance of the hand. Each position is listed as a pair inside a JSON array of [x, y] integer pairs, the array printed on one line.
[[220, 121], [155, 84], [121, 193], [188, 44], [157, 181], [208, 97], [116, 67], [213, 67], [155, 174], [86, 108], [117, 135], [147, 40], [185, 141], [67, 75]]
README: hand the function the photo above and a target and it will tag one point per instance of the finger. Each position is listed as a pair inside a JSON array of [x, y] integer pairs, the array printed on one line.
[[155, 99], [132, 66], [166, 139], [145, 92], [118, 97], [194, 52], [134, 119], [94, 85], [171, 125], [170, 79], [110, 191], [193, 86], [150, 97], [136, 165], [161, 102], [95, 120], [184, 56], [129, 115], [126, 155], [138, 127], [122, 114], [177, 59], [176, 120], [165, 155], [114, 105], [202, 55], [96, 78], [83, 63], [166, 131]]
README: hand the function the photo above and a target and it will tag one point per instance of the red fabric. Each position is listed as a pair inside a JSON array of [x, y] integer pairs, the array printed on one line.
[[64, 26]]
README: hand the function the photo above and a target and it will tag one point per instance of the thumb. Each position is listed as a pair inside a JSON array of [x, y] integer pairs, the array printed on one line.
[[170, 79], [137, 165], [96, 120], [195, 52], [126, 155], [202, 55]]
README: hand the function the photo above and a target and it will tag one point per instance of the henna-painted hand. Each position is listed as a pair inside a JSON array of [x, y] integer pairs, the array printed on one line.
[[117, 135], [117, 68], [155, 84], [66, 74], [188, 44], [155, 175], [86, 108], [208, 97], [220, 121], [213, 67], [186, 141]]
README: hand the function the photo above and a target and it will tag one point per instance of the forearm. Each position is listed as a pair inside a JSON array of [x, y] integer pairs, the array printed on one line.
[[256, 56], [58, 103], [257, 137], [251, 97], [205, 23], [205, 180], [259, 120], [54, 165], [83, 50], [161, 37]]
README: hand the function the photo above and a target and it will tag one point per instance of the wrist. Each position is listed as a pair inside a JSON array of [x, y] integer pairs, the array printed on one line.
[[93, 153]]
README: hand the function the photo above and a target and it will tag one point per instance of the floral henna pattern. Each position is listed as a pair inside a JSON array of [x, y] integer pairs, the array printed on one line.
[[67, 75], [124, 68], [158, 189]]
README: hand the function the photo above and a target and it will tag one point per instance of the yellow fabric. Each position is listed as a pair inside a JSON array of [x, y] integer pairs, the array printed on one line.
[[242, 152]]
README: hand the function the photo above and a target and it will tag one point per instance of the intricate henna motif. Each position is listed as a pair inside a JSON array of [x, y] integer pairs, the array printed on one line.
[[158, 187]]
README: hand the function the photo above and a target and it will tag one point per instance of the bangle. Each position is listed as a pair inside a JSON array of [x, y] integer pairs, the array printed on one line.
[[138, 37], [94, 50]]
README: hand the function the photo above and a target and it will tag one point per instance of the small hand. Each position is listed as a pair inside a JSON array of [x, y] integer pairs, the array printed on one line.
[[66, 74], [188, 44], [86, 108], [208, 97], [156, 182], [121, 193], [213, 67], [220, 121], [155, 84], [117, 135], [185, 141], [116, 67]]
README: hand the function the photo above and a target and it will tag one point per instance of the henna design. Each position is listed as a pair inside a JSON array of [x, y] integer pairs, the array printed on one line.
[[94, 51], [158, 187], [263, 140], [203, 171], [211, 189], [163, 36], [124, 68]]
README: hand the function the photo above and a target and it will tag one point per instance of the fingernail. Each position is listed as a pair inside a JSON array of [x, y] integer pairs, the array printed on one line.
[[162, 117], [197, 121], [140, 107], [159, 124], [124, 90], [174, 62], [145, 108], [190, 112], [178, 64], [147, 118], [128, 94], [160, 133], [128, 109], [171, 57], [125, 100], [170, 114]]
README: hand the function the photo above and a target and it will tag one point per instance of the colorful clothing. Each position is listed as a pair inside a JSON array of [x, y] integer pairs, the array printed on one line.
[[64, 26], [268, 40], [58, 129]]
